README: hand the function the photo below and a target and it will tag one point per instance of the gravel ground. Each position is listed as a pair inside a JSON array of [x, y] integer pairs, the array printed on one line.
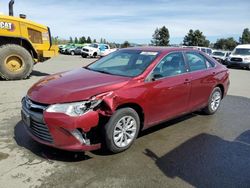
[[191, 151]]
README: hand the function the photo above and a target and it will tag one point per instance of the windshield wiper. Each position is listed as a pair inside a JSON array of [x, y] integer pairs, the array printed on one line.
[[96, 70]]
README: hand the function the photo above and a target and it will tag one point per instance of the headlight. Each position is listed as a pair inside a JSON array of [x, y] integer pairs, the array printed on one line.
[[74, 109], [247, 59]]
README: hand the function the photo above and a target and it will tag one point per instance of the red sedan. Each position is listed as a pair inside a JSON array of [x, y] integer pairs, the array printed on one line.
[[111, 100]]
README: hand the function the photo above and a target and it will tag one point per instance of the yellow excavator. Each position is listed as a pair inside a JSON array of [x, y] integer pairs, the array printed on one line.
[[23, 43]]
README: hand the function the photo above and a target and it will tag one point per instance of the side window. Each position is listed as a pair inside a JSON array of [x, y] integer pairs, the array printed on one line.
[[171, 65], [196, 61], [209, 63], [209, 51], [203, 50]]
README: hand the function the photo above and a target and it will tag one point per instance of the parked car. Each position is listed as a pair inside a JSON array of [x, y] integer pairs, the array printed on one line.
[[220, 55], [240, 57], [110, 101], [74, 50], [203, 49], [63, 49], [106, 50], [95, 50]]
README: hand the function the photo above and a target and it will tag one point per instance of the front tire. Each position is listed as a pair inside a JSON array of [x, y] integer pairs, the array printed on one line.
[[72, 53], [121, 130], [213, 102], [84, 56], [15, 62]]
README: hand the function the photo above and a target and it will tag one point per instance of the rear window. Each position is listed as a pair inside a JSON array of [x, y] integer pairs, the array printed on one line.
[[198, 61]]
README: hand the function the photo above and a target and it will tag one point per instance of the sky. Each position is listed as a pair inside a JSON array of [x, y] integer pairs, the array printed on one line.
[[136, 20]]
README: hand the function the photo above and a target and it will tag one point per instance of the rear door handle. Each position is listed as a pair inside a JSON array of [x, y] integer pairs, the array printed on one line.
[[187, 81]]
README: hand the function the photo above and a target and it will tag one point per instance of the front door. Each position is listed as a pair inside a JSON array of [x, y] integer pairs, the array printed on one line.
[[168, 89]]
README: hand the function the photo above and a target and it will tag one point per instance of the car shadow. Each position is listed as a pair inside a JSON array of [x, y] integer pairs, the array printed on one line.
[[168, 123], [105, 152], [23, 139], [38, 73], [208, 161]]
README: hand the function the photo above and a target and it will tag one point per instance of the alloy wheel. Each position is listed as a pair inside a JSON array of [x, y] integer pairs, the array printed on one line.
[[124, 131], [215, 101]]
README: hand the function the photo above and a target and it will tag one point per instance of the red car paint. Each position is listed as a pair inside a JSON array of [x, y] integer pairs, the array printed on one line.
[[159, 100]]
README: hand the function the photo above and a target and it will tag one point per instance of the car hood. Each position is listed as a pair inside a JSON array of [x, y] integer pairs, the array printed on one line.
[[217, 56], [239, 56], [75, 85], [90, 48]]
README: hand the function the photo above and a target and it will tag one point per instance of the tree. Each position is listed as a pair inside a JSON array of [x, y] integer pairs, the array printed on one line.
[[245, 38], [160, 37], [113, 45], [195, 38], [76, 40], [89, 40], [94, 41], [125, 44], [82, 40], [55, 40], [225, 44], [70, 40]]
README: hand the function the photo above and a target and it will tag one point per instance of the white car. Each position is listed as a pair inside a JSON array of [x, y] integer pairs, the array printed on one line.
[[203, 49], [240, 57], [95, 50], [220, 55]]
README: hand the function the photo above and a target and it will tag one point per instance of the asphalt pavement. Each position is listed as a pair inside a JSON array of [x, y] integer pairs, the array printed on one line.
[[192, 151]]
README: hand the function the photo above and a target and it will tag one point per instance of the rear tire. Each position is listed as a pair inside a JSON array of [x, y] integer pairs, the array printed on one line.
[[94, 54], [121, 130], [15, 62], [213, 102], [72, 53]]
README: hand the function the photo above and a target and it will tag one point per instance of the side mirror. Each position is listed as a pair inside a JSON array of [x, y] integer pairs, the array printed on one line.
[[154, 76]]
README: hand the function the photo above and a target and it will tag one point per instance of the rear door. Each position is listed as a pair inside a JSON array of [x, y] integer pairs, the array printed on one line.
[[202, 75], [168, 89]]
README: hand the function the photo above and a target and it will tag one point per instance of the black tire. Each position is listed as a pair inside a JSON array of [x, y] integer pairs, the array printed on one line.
[[208, 109], [84, 55], [15, 51], [110, 127], [94, 54], [72, 53]]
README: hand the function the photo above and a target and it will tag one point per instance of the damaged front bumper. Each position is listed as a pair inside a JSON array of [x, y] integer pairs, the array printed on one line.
[[60, 130]]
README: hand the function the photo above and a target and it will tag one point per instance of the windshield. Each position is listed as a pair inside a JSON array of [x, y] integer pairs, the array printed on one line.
[[129, 63], [218, 53], [93, 45], [241, 51]]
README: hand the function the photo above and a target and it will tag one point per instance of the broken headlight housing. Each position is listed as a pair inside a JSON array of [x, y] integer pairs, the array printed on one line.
[[75, 108]]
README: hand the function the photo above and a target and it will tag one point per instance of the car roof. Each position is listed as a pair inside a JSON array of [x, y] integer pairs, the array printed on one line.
[[224, 51], [247, 46], [159, 49]]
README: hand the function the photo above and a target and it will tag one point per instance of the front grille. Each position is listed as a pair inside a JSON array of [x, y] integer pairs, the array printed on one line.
[[40, 130], [37, 126], [85, 50], [236, 59]]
